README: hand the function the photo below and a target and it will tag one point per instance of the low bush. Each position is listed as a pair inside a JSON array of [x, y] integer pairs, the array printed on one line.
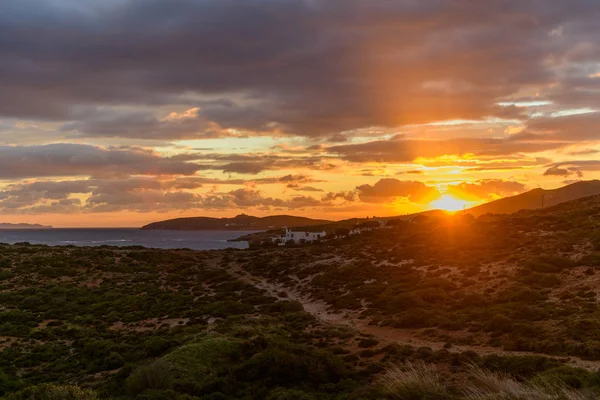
[[52, 392], [155, 376]]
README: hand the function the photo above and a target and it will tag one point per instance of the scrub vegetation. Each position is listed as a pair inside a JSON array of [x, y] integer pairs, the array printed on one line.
[[499, 307]]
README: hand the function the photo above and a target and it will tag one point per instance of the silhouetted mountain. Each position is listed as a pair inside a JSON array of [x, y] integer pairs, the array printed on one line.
[[23, 226], [240, 222], [538, 198]]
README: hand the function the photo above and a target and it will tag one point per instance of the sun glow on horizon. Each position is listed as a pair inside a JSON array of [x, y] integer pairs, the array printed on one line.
[[450, 203]]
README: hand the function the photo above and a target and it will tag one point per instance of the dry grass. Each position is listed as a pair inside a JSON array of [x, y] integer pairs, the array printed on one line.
[[413, 382], [419, 382], [494, 386]]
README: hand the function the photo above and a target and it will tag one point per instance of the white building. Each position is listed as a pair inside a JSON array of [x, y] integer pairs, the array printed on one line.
[[359, 230], [298, 237], [369, 226]]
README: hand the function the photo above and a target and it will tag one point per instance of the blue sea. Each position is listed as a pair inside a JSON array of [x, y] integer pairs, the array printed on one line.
[[197, 240]]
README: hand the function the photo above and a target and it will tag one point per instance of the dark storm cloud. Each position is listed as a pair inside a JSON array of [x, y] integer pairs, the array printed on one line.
[[584, 152], [571, 128], [144, 194], [487, 189], [142, 125], [539, 134], [255, 163], [247, 197], [134, 194], [312, 68], [348, 196], [17, 162], [388, 189], [300, 188], [402, 149], [246, 167], [206, 120], [104, 195], [556, 171], [197, 182], [66, 159], [506, 164], [567, 168]]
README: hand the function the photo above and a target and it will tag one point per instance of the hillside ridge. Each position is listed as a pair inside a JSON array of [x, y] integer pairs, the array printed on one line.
[[538, 198], [239, 222]]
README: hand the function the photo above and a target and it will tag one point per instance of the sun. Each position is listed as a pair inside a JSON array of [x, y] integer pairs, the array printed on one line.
[[449, 203]]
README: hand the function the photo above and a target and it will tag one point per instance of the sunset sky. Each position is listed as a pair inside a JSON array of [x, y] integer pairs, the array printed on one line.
[[124, 112]]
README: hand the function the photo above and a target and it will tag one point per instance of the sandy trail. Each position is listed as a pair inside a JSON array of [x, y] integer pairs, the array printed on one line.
[[385, 335], [317, 308]]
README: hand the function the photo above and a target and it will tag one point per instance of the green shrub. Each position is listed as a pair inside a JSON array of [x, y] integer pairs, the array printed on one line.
[[7, 384], [32, 302], [289, 394], [286, 364], [524, 367], [416, 318], [155, 376], [6, 275], [155, 394], [549, 264], [592, 260], [576, 378], [156, 346], [368, 342], [500, 324], [53, 392]]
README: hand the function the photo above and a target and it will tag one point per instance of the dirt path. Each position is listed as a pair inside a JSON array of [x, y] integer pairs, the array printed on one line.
[[385, 335], [392, 335], [315, 307]]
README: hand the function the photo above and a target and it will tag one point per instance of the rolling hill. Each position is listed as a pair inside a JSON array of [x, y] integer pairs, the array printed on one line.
[[240, 222], [537, 198]]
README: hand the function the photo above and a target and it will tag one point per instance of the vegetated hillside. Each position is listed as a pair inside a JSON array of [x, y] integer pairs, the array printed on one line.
[[240, 222], [535, 198], [332, 228], [135, 323], [524, 282], [140, 324], [23, 226], [342, 320]]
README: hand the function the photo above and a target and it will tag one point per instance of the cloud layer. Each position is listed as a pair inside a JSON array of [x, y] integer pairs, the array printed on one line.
[[295, 66], [66, 159], [316, 106]]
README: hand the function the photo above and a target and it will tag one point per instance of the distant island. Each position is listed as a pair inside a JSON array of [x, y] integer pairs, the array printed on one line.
[[241, 222], [23, 226]]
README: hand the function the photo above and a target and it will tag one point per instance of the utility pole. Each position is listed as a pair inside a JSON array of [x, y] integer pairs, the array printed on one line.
[[544, 197]]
